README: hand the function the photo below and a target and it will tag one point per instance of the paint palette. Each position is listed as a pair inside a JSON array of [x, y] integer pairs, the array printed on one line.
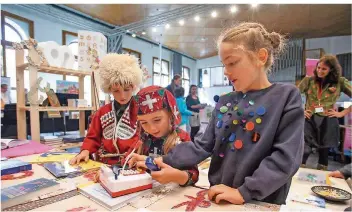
[[332, 193]]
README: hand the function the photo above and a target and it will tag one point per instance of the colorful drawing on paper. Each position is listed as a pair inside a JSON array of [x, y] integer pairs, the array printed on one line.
[[63, 86], [91, 175], [198, 201]]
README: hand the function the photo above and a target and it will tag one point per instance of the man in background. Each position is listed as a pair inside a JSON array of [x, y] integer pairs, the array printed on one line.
[[5, 99]]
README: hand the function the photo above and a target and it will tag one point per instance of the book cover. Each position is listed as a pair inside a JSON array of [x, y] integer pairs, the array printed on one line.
[[318, 178], [309, 199], [9, 143], [23, 192], [63, 169], [14, 166], [76, 150], [50, 157], [31, 148], [72, 139]]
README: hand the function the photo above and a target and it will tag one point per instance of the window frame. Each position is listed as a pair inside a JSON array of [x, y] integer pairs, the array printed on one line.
[[223, 76], [161, 74], [5, 43], [64, 33], [189, 73], [134, 53], [64, 42]]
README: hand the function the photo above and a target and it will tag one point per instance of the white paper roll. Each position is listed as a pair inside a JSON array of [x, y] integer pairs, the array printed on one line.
[[51, 51], [69, 58]]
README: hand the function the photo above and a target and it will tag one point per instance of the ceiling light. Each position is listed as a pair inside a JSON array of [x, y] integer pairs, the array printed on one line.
[[154, 29], [196, 18], [214, 14], [254, 5], [181, 22], [143, 33], [167, 26], [233, 9], [133, 35]]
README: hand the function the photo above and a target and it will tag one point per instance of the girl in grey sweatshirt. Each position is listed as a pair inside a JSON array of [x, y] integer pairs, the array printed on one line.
[[255, 134]]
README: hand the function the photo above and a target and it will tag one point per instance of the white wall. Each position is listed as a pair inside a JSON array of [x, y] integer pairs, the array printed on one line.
[[331, 45]]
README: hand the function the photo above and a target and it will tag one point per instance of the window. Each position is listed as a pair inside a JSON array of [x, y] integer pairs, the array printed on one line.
[[162, 79], [71, 40], [14, 28], [214, 76], [185, 79], [134, 53]]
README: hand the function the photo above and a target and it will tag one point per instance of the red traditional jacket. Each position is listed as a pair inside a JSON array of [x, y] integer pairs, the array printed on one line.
[[154, 147], [104, 130]]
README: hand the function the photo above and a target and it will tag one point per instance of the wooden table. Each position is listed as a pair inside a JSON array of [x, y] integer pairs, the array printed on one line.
[[171, 199]]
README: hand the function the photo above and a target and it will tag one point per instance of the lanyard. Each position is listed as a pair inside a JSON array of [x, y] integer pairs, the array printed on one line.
[[320, 92]]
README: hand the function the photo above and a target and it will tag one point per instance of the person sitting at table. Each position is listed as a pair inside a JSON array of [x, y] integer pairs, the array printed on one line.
[[113, 129], [321, 127], [159, 118], [344, 173]]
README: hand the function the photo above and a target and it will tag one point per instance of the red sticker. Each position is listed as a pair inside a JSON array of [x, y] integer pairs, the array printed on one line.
[[238, 144], [250, 126], [255, 137]]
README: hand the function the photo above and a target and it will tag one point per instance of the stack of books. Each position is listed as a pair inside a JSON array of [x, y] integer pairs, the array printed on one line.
[[53, 141]]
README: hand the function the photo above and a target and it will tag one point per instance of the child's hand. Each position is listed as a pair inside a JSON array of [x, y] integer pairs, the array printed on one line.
[[84, 155], [223, 192], [168, 174], [97, 177], [337, 174], [138, 161]]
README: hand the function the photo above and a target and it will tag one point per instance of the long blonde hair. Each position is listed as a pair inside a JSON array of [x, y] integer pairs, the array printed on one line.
[[169, 143]]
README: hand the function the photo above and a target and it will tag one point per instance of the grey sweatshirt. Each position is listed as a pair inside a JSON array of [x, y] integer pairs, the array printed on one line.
[[346, 170], [261, 169]]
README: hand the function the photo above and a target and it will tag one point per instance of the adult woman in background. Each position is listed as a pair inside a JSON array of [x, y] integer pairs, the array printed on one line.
[[175, 83], [193, 104], [321, 128]]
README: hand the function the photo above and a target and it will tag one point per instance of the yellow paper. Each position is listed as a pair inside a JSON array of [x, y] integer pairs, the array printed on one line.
[[91, 164], [85, 184], [51, 157]]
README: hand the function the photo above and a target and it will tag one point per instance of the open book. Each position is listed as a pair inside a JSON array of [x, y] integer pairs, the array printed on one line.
[[8, 143]]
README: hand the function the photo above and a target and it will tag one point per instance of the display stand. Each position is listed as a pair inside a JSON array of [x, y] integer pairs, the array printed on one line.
[[35, 109]]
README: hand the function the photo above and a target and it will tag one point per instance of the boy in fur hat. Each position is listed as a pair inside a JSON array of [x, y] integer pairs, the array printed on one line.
[[113, 130]]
